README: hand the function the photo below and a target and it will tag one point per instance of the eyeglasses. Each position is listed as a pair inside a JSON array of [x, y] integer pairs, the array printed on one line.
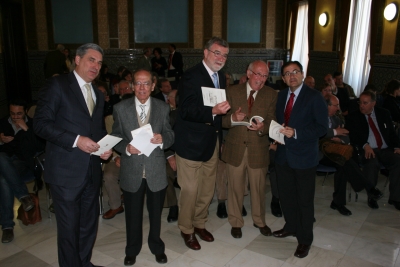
[[219, 54], [288, 73], [259, 75], [145, 84]]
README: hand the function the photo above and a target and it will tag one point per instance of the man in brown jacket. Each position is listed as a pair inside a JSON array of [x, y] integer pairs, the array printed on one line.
[[246, 148]]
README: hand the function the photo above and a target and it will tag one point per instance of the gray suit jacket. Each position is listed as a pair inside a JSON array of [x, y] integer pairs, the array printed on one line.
[[125, 121]]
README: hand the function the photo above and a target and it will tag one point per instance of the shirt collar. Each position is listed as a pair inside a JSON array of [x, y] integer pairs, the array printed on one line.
[[138, 103], [210, 72], [81, 82]]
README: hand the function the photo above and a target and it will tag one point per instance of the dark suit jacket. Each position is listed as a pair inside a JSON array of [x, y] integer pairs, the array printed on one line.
[[60, 116], [160, 96], [196, 130], [310, 119], [390, 103], [177, 62], [54, 63], [239, 137], [344, 99], [358, 127]]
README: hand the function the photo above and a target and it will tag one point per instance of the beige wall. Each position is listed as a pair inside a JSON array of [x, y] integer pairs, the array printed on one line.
[[389, 32], [323, 36]]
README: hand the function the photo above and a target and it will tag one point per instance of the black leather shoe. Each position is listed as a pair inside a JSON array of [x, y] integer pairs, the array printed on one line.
[[282, 233], [375, 194], [264, 230], [161, 258], [341, 209], [276, 209], [8, 235], [372, 203], [236, 232], [27, 203], [173, 214], [395, 203], [302, 251], [244, 212], [128, 261], [221, 211]]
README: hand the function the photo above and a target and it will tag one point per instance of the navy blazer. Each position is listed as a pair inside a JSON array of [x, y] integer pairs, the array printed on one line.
[[61, 115], [196, 130], [310, 119]]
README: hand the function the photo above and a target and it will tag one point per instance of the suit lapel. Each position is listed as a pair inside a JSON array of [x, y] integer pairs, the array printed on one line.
[[77, 91]]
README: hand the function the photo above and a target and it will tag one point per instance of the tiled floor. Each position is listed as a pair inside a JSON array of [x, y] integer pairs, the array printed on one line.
[[367, 238]]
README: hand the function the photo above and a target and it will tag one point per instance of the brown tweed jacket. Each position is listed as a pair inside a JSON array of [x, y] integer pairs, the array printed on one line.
[[239, 137]]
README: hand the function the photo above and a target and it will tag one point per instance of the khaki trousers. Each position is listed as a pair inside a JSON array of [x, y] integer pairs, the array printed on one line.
[[197, 181], [236, 186]]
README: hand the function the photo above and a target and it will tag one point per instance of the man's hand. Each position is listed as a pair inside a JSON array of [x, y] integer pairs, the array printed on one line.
[[131, 149], [259, 126], [157, 139], [336, 139], [273, 146], [369, 152], [341, 131], [221, 108], [21, 124], [87, 145], [117, 161], [397, 151], [172, 163], [238, 115], [6, 139], [106, 154], [287, 131]]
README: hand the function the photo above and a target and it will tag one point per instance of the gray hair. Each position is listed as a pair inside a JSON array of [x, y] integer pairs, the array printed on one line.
[[216, 40], [250, 67], [82, 50]]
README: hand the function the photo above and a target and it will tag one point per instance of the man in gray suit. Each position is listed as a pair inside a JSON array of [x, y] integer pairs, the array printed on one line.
[[139, 174], [144, 61]]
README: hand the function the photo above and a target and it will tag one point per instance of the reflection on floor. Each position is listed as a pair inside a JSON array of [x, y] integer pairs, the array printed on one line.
[[367, 238]]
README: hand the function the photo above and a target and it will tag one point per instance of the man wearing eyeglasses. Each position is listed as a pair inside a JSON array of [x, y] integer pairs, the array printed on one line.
[[304, 114], [372, 133], [198, 135], [246, 148]]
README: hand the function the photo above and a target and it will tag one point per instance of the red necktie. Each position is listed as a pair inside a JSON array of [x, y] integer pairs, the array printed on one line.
[[289, 107], [375, 131], [170, 61], [250, 101]]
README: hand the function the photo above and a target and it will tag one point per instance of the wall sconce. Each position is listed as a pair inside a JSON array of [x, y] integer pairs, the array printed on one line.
[[323, 19], [390, 12]]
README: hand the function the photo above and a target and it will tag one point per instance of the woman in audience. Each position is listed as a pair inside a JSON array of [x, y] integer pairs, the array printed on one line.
[[158, 63], [326, 90], [392, 90]]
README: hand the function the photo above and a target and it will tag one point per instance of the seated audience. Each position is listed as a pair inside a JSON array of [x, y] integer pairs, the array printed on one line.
[[127, 76], [391, 92], [338, 77], [326, 90], [158, 63], [340, 93], [310, 82], [372, 133], [107, 103], [165, 89]]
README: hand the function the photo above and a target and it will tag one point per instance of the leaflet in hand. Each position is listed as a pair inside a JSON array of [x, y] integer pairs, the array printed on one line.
[[213, 96], [274, 133], [245, 123], [141, 140], [106, 143]]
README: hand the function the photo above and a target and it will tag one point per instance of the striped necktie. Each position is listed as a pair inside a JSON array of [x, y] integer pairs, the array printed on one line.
[[142, 113]]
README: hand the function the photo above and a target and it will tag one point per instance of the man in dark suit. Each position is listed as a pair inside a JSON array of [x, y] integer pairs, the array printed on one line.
[[198, 133], [144, 62], [372, 133], [303, 113], [246, 148], [142, 175], [69, 116], [349, 171], [175, 63], [165, 89]]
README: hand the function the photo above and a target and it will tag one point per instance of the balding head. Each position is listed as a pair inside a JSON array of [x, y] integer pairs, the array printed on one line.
[[310, 82]]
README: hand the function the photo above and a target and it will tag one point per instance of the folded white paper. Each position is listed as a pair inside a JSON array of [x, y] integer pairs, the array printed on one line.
[[106, 143], [141, 140], [274, 133], [213, 96]]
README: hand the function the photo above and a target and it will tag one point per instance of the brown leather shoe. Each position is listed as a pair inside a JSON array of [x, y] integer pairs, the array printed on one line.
[[204, 234], [111, 213], [191, 241], [302, 251], [282, 233], [236, 232], [264, 230]]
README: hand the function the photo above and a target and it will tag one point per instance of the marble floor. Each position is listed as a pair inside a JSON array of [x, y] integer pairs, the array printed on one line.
[[367, 238]]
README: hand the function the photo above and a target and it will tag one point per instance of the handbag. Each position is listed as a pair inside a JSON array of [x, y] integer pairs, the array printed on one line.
[[335, 151], [32, 216]]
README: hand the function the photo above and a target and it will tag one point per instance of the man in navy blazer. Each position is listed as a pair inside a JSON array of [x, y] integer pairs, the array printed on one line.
[[69, 116], [297, 159], [197, 131]]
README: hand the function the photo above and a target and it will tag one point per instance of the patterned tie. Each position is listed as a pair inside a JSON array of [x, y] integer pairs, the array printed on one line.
[[375, 131], [89, 101], [250, 101], [142, 113], [215, 80], [289, 107]]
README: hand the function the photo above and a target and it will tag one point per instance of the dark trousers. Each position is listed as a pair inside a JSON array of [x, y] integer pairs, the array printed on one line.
[[350, 172], [296, 190], [77, 212], [272, 174], [134, 203], [391, 161]]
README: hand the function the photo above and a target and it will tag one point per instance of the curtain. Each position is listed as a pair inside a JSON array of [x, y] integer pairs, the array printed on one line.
[[356, 61], [300, 48]]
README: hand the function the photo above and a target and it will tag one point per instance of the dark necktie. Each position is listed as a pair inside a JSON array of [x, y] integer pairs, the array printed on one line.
[[289, 107], [375, 131], [250, 101]]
